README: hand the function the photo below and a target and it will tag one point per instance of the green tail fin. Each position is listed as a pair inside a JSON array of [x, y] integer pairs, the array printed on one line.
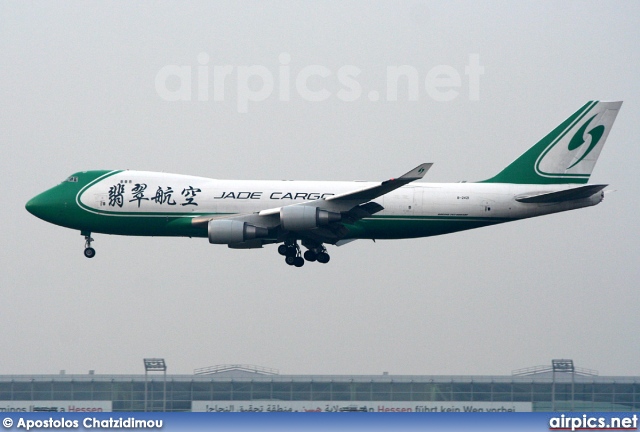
[[568, 153]]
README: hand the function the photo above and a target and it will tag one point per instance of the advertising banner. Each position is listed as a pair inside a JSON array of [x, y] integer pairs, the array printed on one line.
[[55, 406], [354, 406]]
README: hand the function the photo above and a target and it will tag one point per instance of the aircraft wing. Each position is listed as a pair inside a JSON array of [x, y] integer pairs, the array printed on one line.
[[348, 200], [321, 220]]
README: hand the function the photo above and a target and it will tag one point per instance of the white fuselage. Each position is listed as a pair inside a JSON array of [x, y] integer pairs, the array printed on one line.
[[191, 196]]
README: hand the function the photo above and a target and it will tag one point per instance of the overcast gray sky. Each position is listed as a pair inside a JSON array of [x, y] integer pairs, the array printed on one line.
[[78, 91]]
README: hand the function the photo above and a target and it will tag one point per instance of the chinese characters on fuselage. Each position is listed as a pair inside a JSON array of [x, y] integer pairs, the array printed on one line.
[[115, 195], [163, 196]]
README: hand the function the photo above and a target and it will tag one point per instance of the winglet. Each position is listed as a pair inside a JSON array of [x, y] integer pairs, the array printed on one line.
[[418, 172]]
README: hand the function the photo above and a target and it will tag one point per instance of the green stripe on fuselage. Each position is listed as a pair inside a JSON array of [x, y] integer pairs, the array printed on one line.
[[398, 227], [61, 205]]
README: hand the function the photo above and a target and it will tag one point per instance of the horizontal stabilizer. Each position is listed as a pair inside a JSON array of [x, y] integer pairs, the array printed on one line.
[[563, 195]]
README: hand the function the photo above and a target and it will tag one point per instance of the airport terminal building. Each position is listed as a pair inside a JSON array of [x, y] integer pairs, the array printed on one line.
[[240, 388]]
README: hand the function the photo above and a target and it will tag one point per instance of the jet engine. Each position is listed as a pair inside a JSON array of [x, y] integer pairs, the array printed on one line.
[[232, 231], [300, 218]]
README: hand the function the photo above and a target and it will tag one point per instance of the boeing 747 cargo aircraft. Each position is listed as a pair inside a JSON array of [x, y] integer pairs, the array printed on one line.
[[552, 176]]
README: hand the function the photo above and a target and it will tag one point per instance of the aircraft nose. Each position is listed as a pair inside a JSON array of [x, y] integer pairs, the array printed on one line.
[[34, 205], [39, 206]]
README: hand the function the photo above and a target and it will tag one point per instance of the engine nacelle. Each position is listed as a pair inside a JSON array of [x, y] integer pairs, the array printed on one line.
[[301, 218], [232, 231]]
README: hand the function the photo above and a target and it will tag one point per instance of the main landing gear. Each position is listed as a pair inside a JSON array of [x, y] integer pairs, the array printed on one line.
[[291, 251], [89, 252]]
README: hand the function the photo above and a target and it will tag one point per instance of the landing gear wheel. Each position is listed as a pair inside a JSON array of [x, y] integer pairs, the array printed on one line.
[[89, 252], [291, 250], [323, 257], [310, 256]]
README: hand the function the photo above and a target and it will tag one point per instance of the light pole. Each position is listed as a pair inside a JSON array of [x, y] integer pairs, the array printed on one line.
[[155, 365], [562, 365]]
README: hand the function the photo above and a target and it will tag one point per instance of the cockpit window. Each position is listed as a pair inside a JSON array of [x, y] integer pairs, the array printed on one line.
[[72, 179]]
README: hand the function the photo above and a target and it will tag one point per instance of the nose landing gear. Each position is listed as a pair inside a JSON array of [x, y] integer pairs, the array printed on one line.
[[89, 252]]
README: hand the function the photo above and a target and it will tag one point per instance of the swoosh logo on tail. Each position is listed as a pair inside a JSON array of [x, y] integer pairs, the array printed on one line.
[[578, 139]]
